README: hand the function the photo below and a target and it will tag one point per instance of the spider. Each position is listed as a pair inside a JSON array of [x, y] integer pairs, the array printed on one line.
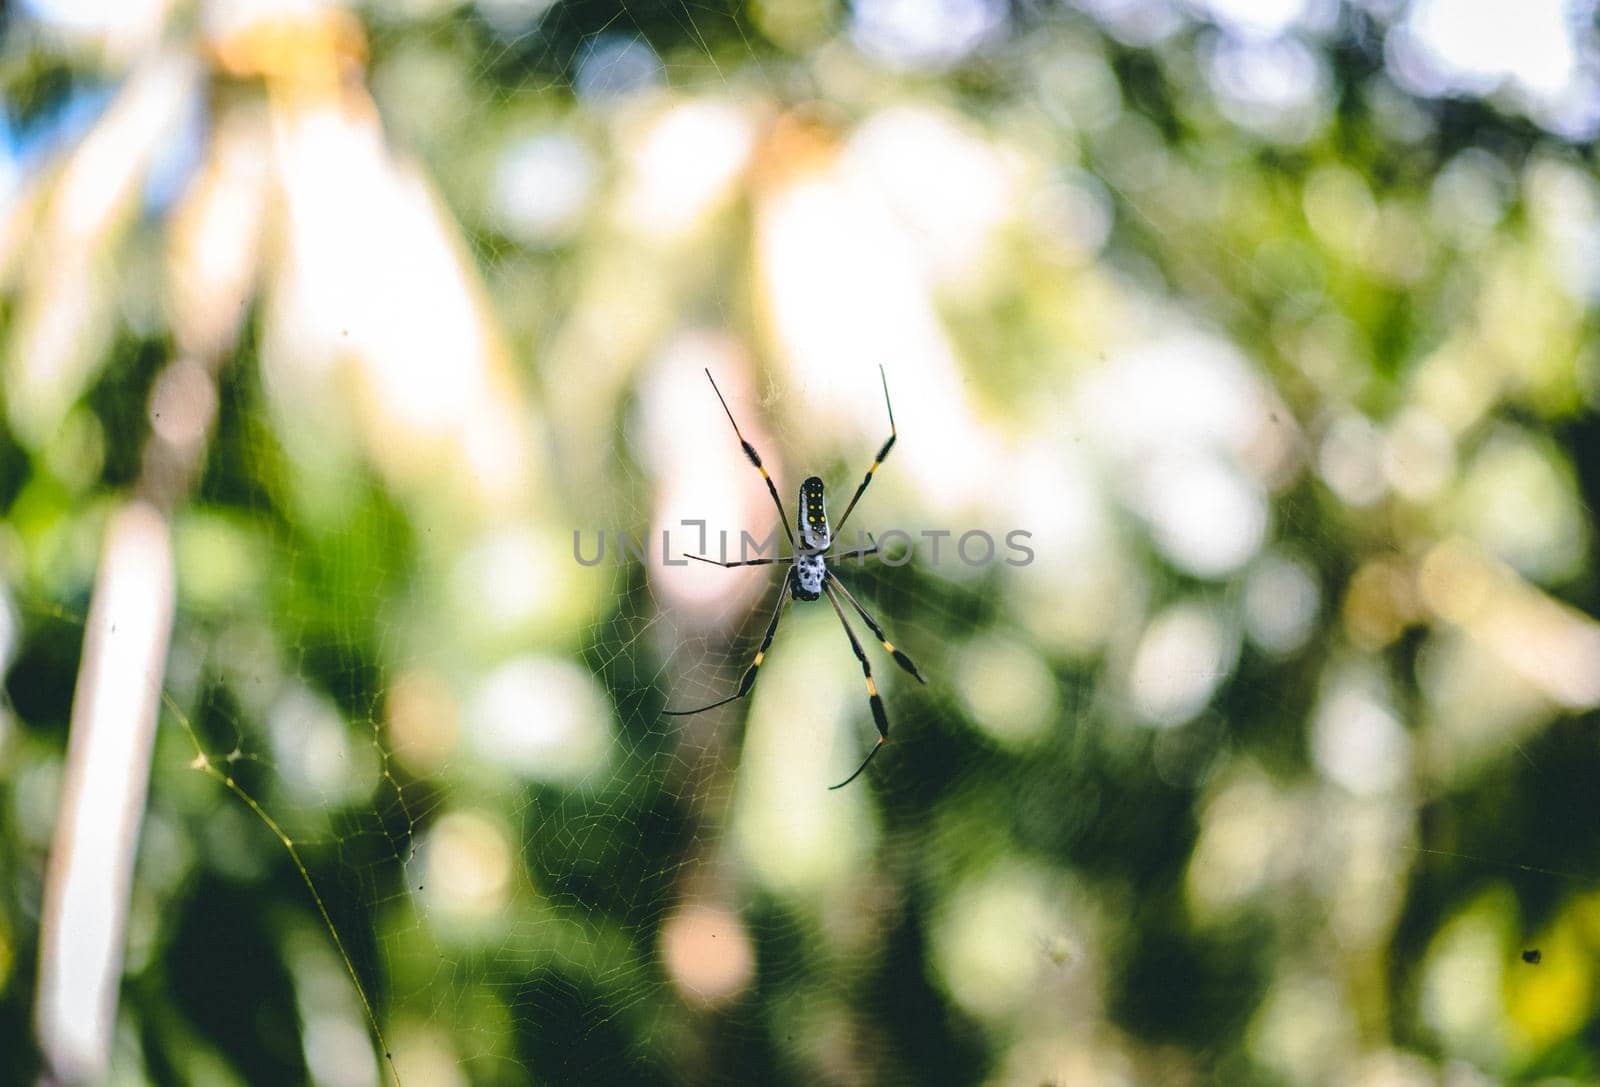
[[809, 577]]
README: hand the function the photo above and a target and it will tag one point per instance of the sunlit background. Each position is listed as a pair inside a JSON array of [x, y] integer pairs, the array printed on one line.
[[325, 329]]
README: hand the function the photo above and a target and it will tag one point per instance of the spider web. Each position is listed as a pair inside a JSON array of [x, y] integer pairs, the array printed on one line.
[[555, 886], [1223, 739]]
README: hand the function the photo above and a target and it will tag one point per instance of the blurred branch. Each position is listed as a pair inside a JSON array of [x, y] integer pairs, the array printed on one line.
[[84, 914], [108, 772], [214, 268]]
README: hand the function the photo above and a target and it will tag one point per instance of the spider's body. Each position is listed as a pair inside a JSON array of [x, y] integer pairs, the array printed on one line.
[[810, 568], [806, 579], [810, 578]]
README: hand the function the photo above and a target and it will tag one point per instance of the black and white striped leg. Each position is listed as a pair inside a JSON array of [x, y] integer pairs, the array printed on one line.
[[745, 562], [858, 553], [879, 717], [872, 624], [882, 453], [749, 679], [755, 459]]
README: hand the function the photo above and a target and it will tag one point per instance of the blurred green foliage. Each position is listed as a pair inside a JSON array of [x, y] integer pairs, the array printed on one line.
[[1191, 889]]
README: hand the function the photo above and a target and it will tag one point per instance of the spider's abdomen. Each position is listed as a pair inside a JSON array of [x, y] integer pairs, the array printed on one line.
[[806, 578], [814, 533], [814, 540]]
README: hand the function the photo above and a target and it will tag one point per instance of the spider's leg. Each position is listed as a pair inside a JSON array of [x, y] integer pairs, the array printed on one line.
[[746, 562], [858, 553], [750, 673], [872, 624], [755, 459], [878, 716], [882, 453]]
